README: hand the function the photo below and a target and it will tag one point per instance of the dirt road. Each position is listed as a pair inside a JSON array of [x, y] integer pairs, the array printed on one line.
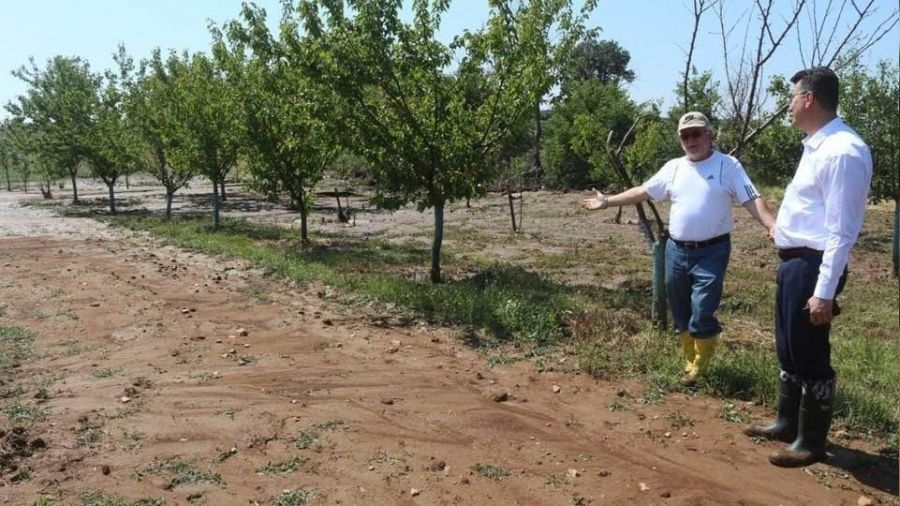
[[162, 373]]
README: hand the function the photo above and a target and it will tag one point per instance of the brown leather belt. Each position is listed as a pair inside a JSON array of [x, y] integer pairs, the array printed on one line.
[[701, 244], [789, 253]]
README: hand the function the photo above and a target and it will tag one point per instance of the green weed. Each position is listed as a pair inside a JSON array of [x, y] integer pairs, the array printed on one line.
[[296, 497], [105, 372], [490, 471], [99, 498], [15, 346], [282, 468], [180, 472], [18, 412]]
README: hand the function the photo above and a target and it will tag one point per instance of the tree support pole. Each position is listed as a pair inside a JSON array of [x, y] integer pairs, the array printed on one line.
[[660, 304], [896, 252]]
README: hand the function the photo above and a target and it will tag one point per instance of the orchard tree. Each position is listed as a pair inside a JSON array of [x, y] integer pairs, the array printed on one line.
[[597, 60], [206, 121], [591, 73], [61, 102], [152, 109], [7, 153], [870, 103], [28, 144], [409, 108], [114, 149], [592, 109], [286, 139]]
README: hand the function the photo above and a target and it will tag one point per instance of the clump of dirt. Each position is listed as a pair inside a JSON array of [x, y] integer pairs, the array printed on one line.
[[16, 447]]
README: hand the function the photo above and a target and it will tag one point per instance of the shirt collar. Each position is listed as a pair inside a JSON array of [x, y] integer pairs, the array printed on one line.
[[814, 140]]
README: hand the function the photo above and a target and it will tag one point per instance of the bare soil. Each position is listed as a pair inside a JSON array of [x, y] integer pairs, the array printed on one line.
[[147, 356]]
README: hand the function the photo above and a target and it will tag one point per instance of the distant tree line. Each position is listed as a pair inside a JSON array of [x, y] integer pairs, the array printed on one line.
[[527, 100]]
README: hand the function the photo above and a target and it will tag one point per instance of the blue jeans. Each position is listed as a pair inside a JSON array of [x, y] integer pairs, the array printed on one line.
[[694, 280]]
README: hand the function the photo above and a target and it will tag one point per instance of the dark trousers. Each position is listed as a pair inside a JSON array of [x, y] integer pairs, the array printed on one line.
[[803, 348]]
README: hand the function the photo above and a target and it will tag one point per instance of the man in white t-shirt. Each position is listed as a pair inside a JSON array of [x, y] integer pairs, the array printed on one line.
[[702, 185]]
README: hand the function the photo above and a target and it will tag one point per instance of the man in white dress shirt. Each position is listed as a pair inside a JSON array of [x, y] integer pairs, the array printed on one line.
[[702, 186], [818, 223]]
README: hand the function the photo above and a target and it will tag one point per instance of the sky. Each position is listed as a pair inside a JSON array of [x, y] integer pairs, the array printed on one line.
[[655, 32]]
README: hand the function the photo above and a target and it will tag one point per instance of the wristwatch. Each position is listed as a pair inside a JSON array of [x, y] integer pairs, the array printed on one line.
[[604, 201]]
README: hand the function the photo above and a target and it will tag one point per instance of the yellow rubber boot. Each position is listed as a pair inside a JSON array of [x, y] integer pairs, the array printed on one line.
[[705, 349], [687, 347]]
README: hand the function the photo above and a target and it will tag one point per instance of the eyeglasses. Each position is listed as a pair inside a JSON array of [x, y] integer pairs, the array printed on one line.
[[791, 96], [693, 134]]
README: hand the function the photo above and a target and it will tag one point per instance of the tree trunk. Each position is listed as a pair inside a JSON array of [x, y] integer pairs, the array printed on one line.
[[436, 245], [536, 163], [222, 184], [304, 237], [216, 204], [169, 195], [112, 197], [896, 252], [72, 174], [8, 184], [127, 183]]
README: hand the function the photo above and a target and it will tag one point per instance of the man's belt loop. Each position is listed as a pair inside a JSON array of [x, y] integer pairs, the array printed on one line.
[[701, 244]]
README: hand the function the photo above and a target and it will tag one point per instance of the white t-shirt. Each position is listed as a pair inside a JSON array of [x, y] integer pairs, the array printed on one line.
[[702, 194]]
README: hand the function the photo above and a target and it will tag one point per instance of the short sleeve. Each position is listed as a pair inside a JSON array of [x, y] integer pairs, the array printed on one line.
[[659, 186], [740, 186]]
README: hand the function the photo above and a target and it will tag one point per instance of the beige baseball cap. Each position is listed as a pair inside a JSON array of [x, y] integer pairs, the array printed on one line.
[[693, 119]]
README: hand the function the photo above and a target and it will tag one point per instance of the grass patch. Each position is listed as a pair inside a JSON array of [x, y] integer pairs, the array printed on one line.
[[680, 420], [554, 481], [15, 346], [180, 472], [329, 425], [89, 439], [105, 372], [296, 497], [511, 303], [490, 471], [282, 468], [731, 414], [503, 304], [19, 412], [399, 464], [98, 498], [134, 440]]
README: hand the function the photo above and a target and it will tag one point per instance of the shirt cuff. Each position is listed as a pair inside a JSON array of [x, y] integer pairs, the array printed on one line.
[[825, 289]]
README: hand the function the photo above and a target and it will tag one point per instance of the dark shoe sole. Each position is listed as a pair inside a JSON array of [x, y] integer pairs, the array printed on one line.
[[789, 458]]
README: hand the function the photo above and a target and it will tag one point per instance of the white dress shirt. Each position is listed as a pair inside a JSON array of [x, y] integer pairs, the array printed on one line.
[[702, 194], [824, 206]]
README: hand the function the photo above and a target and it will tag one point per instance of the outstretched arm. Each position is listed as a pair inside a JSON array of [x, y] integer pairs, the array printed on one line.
[[627, 197]]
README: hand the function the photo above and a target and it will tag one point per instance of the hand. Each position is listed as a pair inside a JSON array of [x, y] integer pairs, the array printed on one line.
[[772, 233], [600, 201], [820, 310]]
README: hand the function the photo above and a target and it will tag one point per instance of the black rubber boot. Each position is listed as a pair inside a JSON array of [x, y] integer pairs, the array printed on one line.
[[812, 433], [784, 428]]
